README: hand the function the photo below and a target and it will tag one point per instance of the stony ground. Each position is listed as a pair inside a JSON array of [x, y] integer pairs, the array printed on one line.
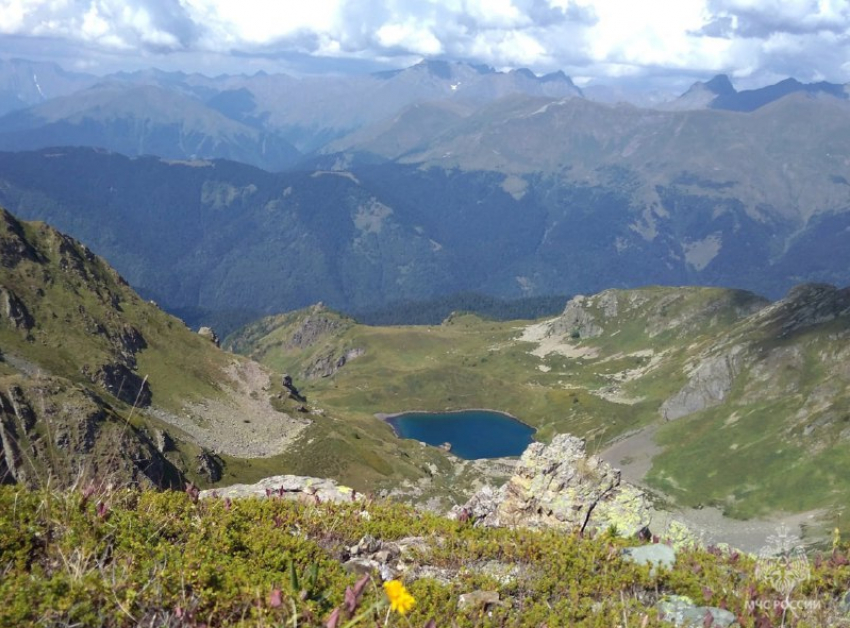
[[242, 422]]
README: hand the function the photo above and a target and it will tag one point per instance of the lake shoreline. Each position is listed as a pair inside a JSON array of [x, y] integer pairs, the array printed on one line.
[[390, 417], [470, 433]]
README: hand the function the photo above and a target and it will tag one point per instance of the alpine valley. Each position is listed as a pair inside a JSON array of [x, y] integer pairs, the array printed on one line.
[[234, 284]]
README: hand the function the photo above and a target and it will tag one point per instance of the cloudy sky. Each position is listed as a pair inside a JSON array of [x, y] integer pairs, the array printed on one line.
[[755, 41]]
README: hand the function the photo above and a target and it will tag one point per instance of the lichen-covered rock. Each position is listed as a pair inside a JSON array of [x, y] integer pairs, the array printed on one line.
[[559, 486], [679, 536], [289, 486]]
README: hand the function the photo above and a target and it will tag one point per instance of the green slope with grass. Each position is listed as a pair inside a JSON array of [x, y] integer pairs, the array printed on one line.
[[93, 379], [748, 400], [130, 558]]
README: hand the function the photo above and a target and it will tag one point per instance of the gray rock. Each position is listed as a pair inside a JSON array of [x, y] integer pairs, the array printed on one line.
[[709, 384], [362, 566], [478, 599], [209, 334], [388, 552], [209, 466], [504, 573], [288, 487], [681, 611], [559, 486], [656, 555], [329, 363], [578, 319], [122, 382], [369, 544], [162, 441], [14, 310], [290, 388]]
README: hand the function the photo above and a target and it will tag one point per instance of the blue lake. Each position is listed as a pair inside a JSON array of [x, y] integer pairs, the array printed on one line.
[[472, 433]]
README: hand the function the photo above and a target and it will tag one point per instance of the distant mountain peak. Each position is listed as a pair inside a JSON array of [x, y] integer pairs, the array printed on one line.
[[438, 67], [482, 68], [555, 76], [525, 72], [720, 84]]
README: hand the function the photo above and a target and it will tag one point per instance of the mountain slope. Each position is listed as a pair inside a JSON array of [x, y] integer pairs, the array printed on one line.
[[142, 120], [711, 396], [218, 241], [25, 83], [97, 384]]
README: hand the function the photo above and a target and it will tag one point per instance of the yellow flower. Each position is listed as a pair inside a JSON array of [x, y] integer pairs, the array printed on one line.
[[400, 600]]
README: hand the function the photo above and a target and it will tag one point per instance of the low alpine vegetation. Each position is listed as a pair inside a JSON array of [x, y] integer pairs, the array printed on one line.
[[147, 558]]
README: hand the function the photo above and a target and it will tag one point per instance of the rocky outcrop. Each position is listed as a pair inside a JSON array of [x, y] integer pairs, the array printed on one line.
[[684, 311], [122, 383], [14, 244], [804, 306], [709, 384], [128, 341], [209, 466], [559, 486], [162, 441], [579, 320], [289, 487], [55, 433], [209, 334], [13, 310], [329, 363], [318, 323], [290, 390]]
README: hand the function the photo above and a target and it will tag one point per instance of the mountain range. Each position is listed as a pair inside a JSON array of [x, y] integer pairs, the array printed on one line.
[[707, 395], [423, 182], [265, 120], [487, 202], [269, 119]]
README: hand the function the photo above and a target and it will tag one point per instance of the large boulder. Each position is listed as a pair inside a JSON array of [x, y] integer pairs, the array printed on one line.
[[560, 486]]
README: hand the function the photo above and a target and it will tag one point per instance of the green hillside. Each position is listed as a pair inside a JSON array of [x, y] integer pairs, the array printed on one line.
[[95, 382], [747, 401]]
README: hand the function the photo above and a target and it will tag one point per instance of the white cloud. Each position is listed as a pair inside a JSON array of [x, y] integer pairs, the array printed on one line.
[[409, 36], [810, 38]]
